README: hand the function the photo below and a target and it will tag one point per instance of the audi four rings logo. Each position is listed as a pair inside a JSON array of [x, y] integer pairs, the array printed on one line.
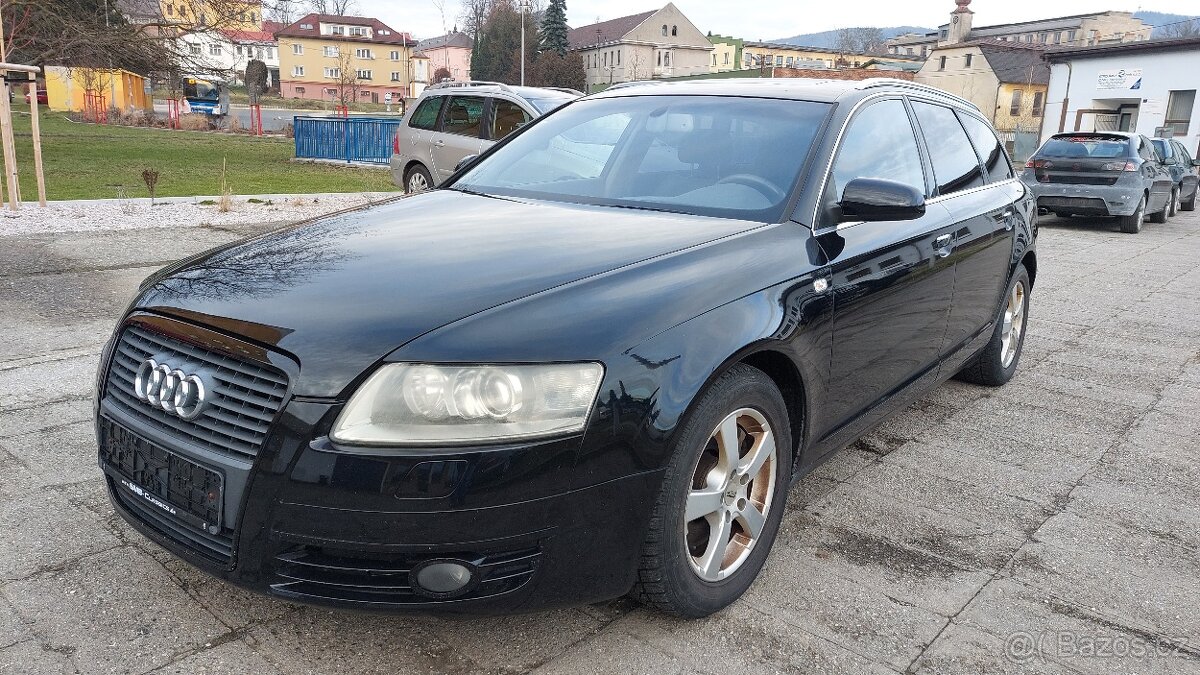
[[171, 389]]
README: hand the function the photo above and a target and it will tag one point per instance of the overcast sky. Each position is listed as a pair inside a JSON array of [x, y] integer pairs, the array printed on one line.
[[770, 20]]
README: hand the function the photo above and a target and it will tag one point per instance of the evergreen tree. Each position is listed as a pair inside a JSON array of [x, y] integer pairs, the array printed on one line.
[[554, 28]]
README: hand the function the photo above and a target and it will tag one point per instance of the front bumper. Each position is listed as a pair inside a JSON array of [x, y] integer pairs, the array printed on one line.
[[320, 525], [1096, 200]]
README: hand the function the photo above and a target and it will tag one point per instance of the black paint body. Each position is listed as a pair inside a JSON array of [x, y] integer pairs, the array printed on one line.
[[666, 302]]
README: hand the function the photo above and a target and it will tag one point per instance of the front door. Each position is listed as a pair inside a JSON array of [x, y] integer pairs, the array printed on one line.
[[461, 134], [892, 281]]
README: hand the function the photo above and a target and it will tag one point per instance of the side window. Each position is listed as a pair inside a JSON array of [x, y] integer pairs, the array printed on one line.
[[426, 114], [464, 115], [1144, 149], [955, 166], [507, 117], [879, 144], [988, 147]]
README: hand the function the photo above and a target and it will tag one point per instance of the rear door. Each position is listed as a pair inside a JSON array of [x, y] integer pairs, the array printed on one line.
[[461, 134], [1191, 179], [892, 281], [981, 203], [416, 135], [1157, 177]]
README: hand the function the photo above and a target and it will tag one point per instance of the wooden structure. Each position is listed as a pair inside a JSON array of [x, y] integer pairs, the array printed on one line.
[[13, 73]]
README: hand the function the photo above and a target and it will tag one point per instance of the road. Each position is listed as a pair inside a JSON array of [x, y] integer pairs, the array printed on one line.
[[1051, 526], [274, 119]]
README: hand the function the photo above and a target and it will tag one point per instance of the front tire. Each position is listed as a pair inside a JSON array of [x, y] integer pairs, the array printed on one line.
[[1173, 205], [722, 498], [1160, 217], [997, 363], [1132, 224], [1190, 205]]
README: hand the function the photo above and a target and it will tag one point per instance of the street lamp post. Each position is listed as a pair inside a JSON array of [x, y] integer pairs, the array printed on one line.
[[522, 5]]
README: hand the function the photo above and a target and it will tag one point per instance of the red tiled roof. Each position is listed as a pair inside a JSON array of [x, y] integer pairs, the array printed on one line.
[[381, 33]]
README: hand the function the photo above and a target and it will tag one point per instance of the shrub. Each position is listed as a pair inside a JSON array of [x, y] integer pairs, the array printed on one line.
[[195, 122]]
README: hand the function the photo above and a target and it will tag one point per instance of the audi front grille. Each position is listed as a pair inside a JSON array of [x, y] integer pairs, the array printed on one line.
[[237, 412]]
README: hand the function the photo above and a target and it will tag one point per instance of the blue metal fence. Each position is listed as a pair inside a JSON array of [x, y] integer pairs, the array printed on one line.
[[349, 139]]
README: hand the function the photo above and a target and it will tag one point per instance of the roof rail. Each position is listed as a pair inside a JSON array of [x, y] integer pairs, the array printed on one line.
[[873, 82], [565, 90], [468, 83]]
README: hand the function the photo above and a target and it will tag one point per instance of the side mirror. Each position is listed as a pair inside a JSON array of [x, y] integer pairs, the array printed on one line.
[[1196, 162], [874, 199], [465, 162]]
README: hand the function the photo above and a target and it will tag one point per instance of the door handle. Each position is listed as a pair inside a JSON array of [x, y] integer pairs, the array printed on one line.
[[941, 245], [1004, 216]]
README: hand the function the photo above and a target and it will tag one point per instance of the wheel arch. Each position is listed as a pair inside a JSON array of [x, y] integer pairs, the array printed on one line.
[[1029, 261], [786, 376]]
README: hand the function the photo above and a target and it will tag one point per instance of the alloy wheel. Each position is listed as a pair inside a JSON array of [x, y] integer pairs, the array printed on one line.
[[731, 493], [417, 182], [1014, 324]]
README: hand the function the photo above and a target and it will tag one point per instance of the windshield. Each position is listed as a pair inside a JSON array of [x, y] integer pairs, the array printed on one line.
[[201, 89], [704, 155], [1086, 146]]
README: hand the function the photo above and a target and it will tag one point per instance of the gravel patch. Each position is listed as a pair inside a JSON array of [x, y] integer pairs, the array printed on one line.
[[122, 214]]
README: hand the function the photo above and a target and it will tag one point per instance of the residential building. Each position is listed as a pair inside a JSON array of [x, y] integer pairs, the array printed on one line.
[[1006, 80], [726, 54], [785, 55], [654, 44], [67, 88], [451, 51], [1079, 29], [226, 52], [1146, 87], [344, 58]]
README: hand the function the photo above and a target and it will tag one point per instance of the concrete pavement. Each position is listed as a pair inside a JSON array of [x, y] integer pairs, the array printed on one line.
[[1049, 526]]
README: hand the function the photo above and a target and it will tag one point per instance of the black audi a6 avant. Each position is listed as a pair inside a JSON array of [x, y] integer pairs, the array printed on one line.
[[591, 364]]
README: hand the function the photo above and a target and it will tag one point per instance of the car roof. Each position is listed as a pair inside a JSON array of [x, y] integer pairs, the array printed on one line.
[[495, 87], [1127, 135], [806, 89]]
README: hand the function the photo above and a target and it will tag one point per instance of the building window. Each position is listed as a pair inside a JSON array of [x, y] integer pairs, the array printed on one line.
[[674, 31], [394, 55], [330, 51], [618, 57], [363, 53], [395, 76], [194, 48], [664, 30], [297, 71], [333, 73], [967, 60], [1037, 103], [358, 30], [331, 92], [337, 30], [779, 60], [1070, 36], [941, 63], [364, 75], [306, 26], [1014, 108], [908, 50], [1179, 111], [667, 59], [297, 48], [215, 49], [789, 62], [726, 58], [299, 90], [1058, 38]]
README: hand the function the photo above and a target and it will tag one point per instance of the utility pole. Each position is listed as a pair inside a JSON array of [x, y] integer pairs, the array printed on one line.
[[521, 5]]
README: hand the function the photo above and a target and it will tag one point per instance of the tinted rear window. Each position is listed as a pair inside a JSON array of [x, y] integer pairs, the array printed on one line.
[[1086, 146]]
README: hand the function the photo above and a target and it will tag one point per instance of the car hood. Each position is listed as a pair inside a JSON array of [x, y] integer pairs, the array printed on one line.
[[341, 292]]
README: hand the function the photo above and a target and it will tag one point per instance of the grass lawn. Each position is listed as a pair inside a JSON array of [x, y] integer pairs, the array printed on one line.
[[86, 161]]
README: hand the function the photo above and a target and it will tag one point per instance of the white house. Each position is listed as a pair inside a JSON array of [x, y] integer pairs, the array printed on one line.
[[225, 53], [655, 44], [1148, 87]]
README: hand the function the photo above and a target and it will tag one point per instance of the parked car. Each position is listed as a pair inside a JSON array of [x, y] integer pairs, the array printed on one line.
[[590, 364], [454, 120], [1179, 163], [42, 97], [1104, 173]]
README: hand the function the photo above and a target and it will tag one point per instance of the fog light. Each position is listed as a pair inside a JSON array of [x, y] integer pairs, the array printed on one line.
[[442, 578]]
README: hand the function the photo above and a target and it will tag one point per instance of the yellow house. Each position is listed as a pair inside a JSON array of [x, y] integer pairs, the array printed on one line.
[[245, 15], [1006, 80], [345, 58], [67, 88]]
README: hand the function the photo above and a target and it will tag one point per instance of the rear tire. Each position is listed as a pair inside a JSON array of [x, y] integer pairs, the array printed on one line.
[[417, 180], [1173, 205], [700, 552], [997, 363], [1160, 217], [1132, 224]]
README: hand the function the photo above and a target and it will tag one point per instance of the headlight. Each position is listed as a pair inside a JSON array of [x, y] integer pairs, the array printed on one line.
[[414, 403]]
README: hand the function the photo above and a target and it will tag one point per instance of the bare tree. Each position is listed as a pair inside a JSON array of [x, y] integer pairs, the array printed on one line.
[[1180, 29], [347, 76], [283, 11], [474, 14], [860, 40], [334, 7]]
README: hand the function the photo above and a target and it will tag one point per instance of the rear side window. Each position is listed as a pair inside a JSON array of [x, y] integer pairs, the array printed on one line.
[[1086, 146], [464, 115], [426, 114], [879, 144], [955, 166], [1163, 147], [1145, 149], [507, 117], [988, 147]]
